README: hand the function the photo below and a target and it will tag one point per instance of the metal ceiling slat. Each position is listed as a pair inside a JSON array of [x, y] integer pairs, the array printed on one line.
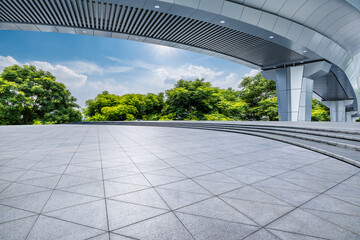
[[129, 19], [107, 11], [220, 36], [139, 27], [80, 7], [146, 24], [86, 10], [47, 2], [101, 9], [91, 12], [134, 20], [5, 15], [164, 26], [36, 11], [187, 35], [65, 11], [53, 21], [69, 4], [25, 13], [166, 18], [11, 17], [201, 31], [96, 11], [156, 24], [123, 9], [155, 18], [111, 17], [175, 26], [32, 12], [202, 38], [186, 28], [60, 6], [76, 11], [18, 14], [44, 14], [116, 17], [125, 19], [60, 16]]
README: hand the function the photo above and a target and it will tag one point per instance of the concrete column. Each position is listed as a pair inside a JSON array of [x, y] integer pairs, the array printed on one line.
[[294, 87], [350, 116], [338, 110]]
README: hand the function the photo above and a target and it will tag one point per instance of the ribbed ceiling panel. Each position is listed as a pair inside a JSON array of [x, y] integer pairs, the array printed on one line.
[[147, 23]]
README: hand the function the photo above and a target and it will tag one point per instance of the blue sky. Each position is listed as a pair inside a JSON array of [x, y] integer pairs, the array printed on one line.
[[88, 65]]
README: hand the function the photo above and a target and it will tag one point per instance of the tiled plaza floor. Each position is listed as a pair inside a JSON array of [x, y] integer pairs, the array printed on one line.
[[125, 182]]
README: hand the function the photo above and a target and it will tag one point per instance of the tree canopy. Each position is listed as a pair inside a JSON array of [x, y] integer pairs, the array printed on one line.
[[196, 100], [29, 95]]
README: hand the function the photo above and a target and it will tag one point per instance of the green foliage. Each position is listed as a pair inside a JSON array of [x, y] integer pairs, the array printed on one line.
[[256, 92], [319, 111], [29, 95], [111, 107], [196, 100]]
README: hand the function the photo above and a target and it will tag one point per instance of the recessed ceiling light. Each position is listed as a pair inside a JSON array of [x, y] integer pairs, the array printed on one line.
[[84, 31], [222, 21], [157, 6], [304, 51], [271, 37], [136, 38]]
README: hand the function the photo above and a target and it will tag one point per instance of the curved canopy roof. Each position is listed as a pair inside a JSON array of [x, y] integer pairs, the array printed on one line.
[[258, 33]]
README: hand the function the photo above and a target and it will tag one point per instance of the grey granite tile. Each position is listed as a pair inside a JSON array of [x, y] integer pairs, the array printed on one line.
[[217, 209], [330, 204], [187, 185], [218, 187], [46, 182], [301, 222], [293, 236], [176, 199], [252, 194], [114, 188], [154, 228], [121, 214], [32, 202], [261, 213], [91, 214], [292, 197], [17, 229], [148, 197], [207, 228], [60, 199], [263, 235], [50, 228], [10, 214], [348, 222], [17, 189]]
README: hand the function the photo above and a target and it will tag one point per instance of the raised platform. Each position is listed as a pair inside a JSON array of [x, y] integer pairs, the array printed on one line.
[[126, 182]]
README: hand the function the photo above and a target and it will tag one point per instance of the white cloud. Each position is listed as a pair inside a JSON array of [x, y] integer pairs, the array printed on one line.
[[163, 77], [118, 69], [62, 73], [109, 85], [252, 73], [7, 61], [84, 67]]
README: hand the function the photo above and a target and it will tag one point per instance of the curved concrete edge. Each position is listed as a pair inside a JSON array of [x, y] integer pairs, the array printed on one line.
[[332, 143], [146, 124]]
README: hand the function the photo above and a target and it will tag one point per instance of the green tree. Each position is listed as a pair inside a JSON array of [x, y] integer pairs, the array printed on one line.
[[113, 107], [319, 111], [254, 91], [29, 95]]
